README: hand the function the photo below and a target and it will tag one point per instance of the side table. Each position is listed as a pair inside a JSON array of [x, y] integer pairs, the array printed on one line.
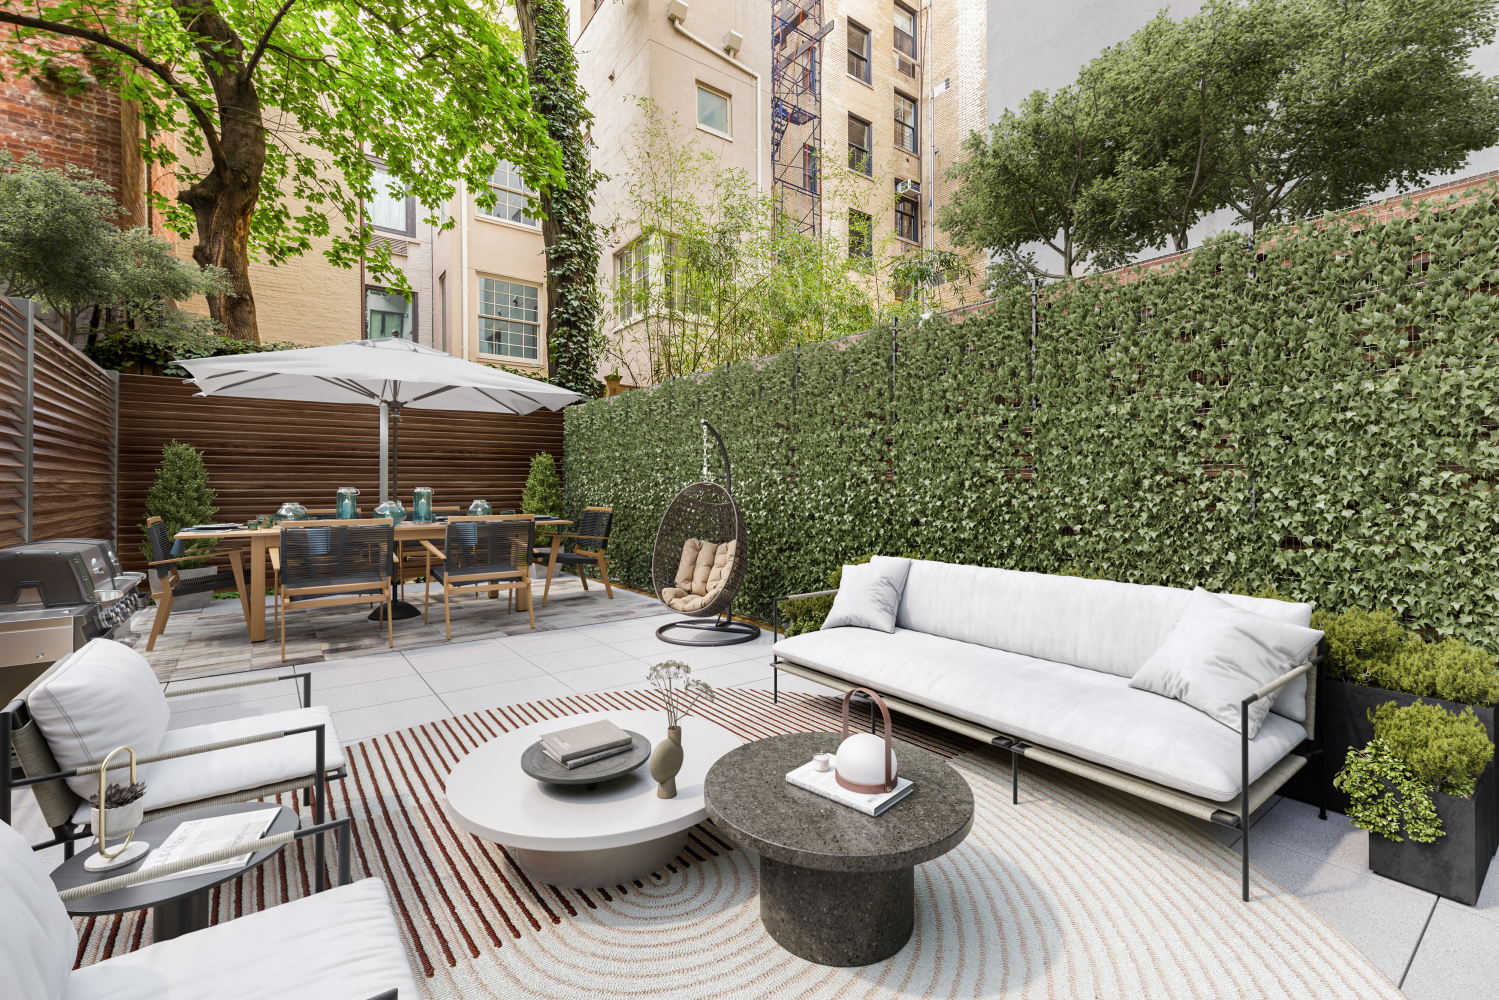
[[837, 887], [179, 905]]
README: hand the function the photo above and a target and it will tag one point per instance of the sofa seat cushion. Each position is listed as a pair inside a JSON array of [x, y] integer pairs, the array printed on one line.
[[101, 697], [187, 779], [342, 944], [37, 941], [1087, 713]]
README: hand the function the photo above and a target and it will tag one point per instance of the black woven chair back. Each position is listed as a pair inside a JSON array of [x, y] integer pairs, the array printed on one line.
[[357, 555], [706, 511], [159, 536], [473, 547], [593, 530]]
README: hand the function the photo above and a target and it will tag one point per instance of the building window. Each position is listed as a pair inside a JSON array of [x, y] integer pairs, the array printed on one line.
[[907, 219], [809, 168], [858, 52], [632, 272], [391, 208], [859, 158], [508, 319], [712, 110], [905, 122], [860, 235], [388, 314], [905, 31], [510, 194]]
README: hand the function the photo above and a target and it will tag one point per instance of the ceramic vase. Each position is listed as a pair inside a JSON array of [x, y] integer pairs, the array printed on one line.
[[666, 761]]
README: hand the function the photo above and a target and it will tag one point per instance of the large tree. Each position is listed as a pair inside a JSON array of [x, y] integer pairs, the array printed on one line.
[[287, 101], [567, 226], [1043, 176]]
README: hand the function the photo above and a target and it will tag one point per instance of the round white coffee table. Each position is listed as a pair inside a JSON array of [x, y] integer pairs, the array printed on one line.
[[574, 837]]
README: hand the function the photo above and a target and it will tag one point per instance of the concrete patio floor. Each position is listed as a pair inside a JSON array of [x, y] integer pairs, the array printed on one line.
[[1434, 949]]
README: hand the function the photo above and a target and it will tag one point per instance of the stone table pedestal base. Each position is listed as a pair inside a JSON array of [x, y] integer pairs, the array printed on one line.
[[837, 918]]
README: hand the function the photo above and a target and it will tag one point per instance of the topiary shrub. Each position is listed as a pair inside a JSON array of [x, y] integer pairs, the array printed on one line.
[[543, 490], [1451, 670], [1416, 751], [181, 496]]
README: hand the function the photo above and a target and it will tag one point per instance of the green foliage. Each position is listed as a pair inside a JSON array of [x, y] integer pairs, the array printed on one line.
[[1361, 644], [1417, 750], [542, 493], [568, 229], [1372, 648], [58, 243], [151, 352], [1321, 422], [181, 496]]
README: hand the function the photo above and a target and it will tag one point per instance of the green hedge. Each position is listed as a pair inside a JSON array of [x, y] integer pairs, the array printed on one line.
[[1320, 420]]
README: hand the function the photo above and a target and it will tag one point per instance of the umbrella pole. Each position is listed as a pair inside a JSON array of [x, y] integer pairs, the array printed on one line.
[[395, 453], [384, 451]]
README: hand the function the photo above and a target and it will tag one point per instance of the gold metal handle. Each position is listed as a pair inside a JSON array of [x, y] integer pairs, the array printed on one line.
[[103, 833]]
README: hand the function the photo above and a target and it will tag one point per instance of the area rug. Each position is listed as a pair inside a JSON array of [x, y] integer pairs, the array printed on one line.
[[205, 643], [1078, 891]]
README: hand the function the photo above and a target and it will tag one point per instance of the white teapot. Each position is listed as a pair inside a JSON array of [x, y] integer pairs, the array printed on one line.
[[865, 762]]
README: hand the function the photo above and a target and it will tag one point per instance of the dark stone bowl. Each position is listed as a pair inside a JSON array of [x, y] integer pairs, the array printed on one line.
[[538, 765]]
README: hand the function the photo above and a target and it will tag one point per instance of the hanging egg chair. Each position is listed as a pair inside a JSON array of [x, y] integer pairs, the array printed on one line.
[[698, 563]]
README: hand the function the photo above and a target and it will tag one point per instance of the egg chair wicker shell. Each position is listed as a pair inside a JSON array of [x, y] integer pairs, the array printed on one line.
[[706, 511]]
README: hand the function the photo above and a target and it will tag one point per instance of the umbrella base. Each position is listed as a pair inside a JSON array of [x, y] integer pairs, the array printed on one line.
[[399, 611]]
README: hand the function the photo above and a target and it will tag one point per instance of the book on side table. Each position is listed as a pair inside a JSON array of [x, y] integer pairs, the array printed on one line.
[[825, 783], [585, 744]]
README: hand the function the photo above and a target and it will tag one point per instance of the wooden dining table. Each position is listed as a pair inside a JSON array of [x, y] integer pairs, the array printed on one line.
[[261, 540]]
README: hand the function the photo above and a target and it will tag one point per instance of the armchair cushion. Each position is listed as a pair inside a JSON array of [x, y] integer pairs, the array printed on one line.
[[101, 697], [187, 779], [37, 940], [704, 567], [342, 944]]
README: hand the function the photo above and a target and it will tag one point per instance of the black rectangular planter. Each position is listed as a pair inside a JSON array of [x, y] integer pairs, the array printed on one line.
[[1455, 864], [1345, 723]]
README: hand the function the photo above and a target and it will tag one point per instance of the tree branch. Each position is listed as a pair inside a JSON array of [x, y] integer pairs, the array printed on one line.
[[160, 69], [265, 39]]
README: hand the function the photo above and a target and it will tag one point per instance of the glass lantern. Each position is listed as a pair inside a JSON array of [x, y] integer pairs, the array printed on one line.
[[348, 507], [393, 510], [291, 511], [479, 508], [421, 505]]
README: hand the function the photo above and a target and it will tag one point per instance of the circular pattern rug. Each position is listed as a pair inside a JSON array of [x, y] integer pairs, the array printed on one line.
[[1077, 891]]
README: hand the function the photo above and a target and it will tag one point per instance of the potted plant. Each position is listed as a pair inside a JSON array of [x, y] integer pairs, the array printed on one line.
[[542, 495], [1415, 788], [1373, 660], [612, 382], [181, 497]]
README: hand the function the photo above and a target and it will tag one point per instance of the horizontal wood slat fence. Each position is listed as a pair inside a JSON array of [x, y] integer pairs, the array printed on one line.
[[262, 453], [58, 435]]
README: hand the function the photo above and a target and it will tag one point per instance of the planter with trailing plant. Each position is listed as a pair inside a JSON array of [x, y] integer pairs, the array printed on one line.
[[1371, 661], [1417, 787]]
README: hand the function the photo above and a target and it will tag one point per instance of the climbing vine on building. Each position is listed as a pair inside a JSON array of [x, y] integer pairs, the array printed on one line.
[[1313, 411]]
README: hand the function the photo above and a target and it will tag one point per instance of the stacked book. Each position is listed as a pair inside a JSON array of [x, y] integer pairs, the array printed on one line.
[[585, 744], [825, 783]]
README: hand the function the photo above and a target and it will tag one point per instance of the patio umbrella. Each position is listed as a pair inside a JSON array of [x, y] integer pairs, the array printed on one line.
[[390, 373]]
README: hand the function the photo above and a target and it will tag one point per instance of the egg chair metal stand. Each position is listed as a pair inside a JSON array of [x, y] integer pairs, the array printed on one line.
[[706, 511]]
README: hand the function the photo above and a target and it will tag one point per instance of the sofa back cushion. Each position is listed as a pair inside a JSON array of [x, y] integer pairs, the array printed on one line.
[[37, 940], [1097, 624], [101, 697]]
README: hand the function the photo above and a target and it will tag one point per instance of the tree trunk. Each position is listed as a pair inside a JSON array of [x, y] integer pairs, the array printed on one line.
[[223, 201]]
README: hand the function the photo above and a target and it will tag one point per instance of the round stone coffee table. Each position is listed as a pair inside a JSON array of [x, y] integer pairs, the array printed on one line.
[[578, 837], [837, 887]]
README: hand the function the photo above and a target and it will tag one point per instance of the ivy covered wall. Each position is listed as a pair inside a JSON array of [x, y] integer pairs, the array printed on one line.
[[1319, 417]]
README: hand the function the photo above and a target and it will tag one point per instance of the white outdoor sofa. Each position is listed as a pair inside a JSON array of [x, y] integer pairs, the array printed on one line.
[[1040, 665], [339, 944]]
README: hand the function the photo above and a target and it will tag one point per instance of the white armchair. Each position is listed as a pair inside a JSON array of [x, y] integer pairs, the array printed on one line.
[[342, 944]]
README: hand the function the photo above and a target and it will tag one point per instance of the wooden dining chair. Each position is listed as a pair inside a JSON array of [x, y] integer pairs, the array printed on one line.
[[326, 565], [593, 532], [481, 554], [274, 551], [159, 538]]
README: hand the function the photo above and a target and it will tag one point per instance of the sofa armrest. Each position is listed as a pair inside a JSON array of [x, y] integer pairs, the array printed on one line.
[[1281, 681], [306, 680], [797, 597]]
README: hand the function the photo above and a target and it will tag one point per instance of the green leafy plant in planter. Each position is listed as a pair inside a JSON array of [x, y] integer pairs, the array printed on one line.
[[542, 493], [182, 497], [1416, 750], [1373, 649]]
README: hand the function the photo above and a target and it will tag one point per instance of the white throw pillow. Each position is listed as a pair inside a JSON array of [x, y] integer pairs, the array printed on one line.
[[102, 697], [869, 594], [1217, 655], [37, 940]]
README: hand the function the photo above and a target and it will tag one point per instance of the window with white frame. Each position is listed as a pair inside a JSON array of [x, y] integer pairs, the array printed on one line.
[[632, 274], [858, 52], [859, 158], [905, 31], [511, 194], [905, 122], [391, 208], [712, 110], [509, 319]]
